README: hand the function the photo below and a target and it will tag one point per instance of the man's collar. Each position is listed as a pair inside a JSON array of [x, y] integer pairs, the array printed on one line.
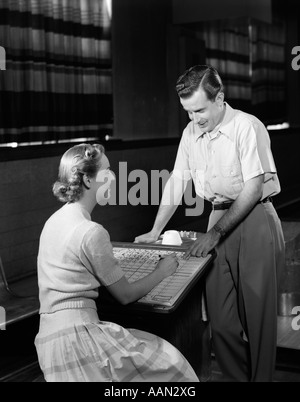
[[226, 124]]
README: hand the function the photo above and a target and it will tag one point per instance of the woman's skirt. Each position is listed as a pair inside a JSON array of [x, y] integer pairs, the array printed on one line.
[[75, 346]]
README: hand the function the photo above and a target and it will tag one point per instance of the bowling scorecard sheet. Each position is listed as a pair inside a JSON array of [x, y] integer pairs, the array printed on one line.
[[138, 261]]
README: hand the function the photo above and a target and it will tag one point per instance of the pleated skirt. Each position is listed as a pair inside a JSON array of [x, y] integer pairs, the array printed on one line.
[[75, 346]]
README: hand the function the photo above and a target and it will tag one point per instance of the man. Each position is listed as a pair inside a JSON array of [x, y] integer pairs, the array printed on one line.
[[227, 154]]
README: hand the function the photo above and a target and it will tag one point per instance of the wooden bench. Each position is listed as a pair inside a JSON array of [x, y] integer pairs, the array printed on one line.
[[18, 300]]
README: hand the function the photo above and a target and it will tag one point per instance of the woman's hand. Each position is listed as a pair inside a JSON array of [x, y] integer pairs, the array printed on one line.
[[126, 292], [168, 265]]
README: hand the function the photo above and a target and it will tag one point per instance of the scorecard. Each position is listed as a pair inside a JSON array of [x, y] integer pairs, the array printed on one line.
[[139, 260]]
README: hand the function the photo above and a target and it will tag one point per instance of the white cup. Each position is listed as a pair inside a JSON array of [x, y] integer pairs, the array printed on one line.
[[171, 238]]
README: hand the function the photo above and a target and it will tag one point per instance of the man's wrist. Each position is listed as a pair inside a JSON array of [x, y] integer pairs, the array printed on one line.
[[156, 233], [218, 229]]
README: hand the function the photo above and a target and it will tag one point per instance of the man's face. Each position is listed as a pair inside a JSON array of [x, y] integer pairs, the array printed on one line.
[[203, 112]]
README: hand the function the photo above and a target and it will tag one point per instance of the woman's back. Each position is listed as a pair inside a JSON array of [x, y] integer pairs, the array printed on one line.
[[75, 257]]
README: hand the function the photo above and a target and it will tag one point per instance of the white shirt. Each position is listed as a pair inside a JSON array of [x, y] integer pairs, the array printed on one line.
[[220, 162]]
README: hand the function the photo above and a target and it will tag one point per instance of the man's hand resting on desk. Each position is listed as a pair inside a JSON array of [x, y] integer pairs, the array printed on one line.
[[203, 245], [149, 237]]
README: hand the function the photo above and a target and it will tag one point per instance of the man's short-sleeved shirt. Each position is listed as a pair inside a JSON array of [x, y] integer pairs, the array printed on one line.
[[220, 162]]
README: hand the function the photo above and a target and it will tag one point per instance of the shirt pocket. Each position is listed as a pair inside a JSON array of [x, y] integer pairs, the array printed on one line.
[[198, 172], [232, 179]]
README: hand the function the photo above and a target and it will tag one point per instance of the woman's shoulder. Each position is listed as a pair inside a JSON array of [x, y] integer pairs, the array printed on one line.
[[94, 230]]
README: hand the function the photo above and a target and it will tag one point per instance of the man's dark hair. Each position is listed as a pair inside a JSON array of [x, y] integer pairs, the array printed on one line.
[[200, 76]]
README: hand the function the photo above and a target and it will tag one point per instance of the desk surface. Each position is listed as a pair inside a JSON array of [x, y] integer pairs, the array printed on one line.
[[148, 304]]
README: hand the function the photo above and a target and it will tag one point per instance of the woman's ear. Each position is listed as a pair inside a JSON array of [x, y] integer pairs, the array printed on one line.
[[86, 182]]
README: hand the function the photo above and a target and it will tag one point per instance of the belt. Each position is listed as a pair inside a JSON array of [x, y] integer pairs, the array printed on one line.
[[226, 205], [221, 205]]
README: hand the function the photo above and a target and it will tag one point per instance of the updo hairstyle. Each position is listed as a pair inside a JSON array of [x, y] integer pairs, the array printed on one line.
[[80, 160]]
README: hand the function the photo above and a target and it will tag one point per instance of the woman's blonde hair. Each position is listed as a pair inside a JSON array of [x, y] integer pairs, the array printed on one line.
[[80, 160]]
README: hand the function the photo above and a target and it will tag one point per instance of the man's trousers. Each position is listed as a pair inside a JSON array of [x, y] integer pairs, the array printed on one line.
[[241, 295]]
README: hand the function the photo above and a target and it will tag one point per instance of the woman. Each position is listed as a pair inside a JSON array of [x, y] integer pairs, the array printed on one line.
[[76, 258]]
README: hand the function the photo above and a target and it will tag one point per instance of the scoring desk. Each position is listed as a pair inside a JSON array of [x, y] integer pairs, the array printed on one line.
[[181, 325]]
